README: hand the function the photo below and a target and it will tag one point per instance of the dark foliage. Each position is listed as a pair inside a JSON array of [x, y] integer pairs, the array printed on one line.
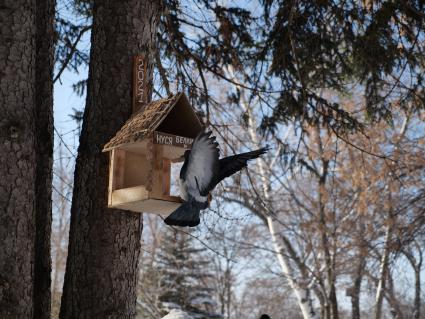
[[289, 54]]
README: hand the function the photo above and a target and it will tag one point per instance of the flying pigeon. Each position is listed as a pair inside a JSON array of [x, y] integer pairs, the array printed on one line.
[[202, 170]]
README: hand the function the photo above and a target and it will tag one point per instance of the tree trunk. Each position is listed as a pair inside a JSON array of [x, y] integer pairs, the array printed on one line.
[[417, 267], [17, 158], [301, 291], [45, 13], [228, 281], [391, 298], [356, 289], [383, 270], [104, 244], [417, 304]]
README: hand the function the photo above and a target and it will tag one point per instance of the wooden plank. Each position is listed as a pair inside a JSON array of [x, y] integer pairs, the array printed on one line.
[[166, 176], [139, 147], [149, 165], [161, 175], [140, 85], [116, 172], [153, 206], [118, 167], [175, 154], [175, 199], [160, 207], [111, 177], [136, 169], [157, 167], [172, 140], [129, 194]]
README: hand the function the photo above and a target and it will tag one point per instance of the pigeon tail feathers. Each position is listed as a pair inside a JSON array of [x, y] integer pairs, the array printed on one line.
[[186, 215]]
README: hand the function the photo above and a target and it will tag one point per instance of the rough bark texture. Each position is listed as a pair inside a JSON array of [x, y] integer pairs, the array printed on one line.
[[44, 154], [104, 244], [17, 158]]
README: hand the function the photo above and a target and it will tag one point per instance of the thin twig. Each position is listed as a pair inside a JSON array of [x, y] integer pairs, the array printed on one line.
[[71, 53]]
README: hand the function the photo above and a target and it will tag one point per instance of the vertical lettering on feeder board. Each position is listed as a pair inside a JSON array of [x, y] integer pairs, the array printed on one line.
[[139, 82]]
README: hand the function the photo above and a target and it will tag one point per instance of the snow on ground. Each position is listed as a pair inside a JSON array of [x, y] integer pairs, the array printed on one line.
[[177, 314]]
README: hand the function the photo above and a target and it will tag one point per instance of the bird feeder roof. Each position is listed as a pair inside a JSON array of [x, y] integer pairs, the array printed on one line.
[[172, 115]]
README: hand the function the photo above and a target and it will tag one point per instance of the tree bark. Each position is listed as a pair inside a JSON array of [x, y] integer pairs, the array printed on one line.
[[17, 158], [104, 244], [45, 13]]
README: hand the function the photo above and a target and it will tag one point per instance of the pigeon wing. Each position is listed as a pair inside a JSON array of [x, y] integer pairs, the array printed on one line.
[[232, 164], [202, 165]]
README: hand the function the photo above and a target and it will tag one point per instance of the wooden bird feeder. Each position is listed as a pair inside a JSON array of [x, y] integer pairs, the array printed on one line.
[[142, 152]]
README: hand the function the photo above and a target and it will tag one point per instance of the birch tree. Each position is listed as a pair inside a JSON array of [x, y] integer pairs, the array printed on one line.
[[290, 262]]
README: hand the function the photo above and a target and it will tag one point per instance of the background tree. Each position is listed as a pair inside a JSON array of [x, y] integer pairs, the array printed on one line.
[[185, 277], [45, 41], [26, 158], [175, 274], [149, 288], [17, 159], [104, 244]]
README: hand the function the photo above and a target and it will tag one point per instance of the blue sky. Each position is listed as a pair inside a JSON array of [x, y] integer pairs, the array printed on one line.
[[65, 99]]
